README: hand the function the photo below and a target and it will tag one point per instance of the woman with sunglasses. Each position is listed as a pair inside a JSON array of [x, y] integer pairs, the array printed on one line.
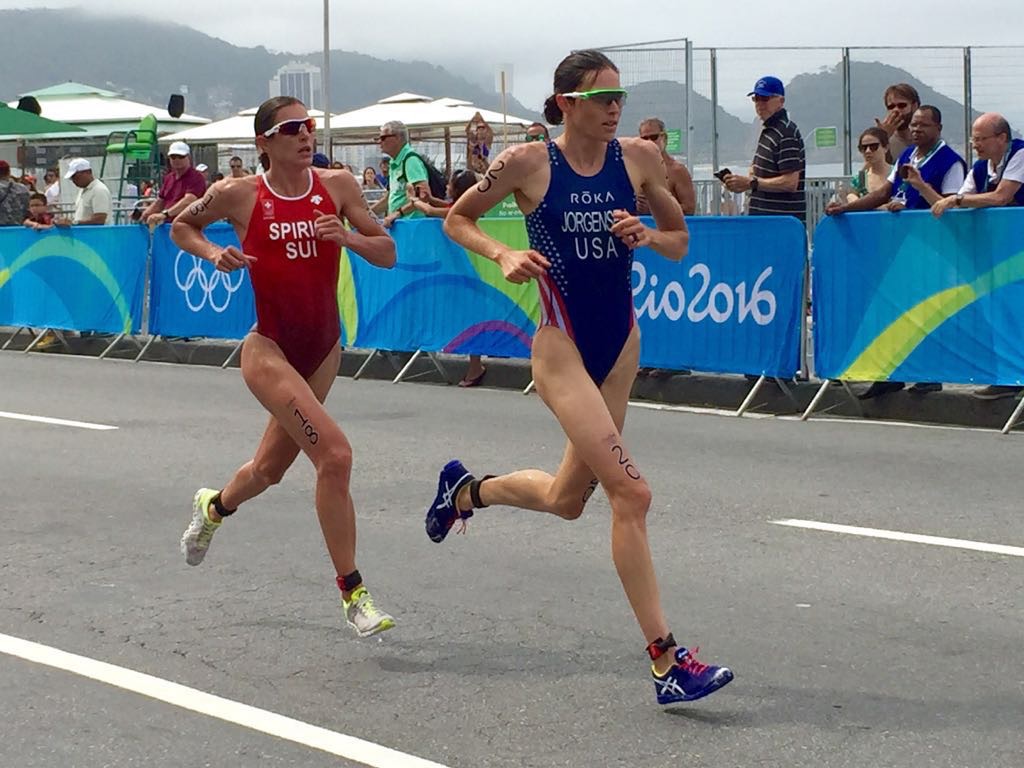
[[578, 193], [873, 145], [290, 222]]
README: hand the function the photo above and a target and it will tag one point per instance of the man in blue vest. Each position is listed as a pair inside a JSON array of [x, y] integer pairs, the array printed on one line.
[[925, 172], [996, 180]]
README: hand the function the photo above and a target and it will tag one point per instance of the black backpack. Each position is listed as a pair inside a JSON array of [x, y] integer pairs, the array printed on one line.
[[436, 180]]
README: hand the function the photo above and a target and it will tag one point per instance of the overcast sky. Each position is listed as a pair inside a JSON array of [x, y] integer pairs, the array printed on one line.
[[533, 35]]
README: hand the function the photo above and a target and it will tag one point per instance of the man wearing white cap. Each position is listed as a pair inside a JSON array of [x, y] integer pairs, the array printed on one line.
[[182, 186], [92, 206]]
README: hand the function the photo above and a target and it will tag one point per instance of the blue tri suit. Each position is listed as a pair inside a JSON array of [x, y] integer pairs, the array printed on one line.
[[588, 290]]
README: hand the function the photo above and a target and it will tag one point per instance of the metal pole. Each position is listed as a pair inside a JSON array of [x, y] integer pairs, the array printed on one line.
[[847, 115], [716, 203], [968, 108], [325, 85], [686, 109], [448, 153]]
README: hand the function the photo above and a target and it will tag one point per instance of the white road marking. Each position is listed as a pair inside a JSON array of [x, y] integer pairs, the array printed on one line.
[[56, 422], [825, 419], [820, 418], [279, 726], [914, 538], [697, 409]]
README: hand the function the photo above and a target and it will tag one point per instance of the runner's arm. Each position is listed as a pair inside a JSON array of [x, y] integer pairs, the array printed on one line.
[[671, 238], [367, 237], [173, 210], [216, 204], [504, 177], [500, 181]]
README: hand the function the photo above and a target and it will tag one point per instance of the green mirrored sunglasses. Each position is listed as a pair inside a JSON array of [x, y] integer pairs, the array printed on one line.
[[603, 96]]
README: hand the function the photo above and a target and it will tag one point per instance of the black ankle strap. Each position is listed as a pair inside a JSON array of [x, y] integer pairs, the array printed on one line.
[[658, 648]]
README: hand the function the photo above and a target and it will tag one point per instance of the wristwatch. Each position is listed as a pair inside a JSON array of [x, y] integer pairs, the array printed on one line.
[[754, 182], [959, 199]]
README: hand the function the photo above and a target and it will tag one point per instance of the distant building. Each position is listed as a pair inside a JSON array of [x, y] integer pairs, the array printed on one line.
[[301, 81]]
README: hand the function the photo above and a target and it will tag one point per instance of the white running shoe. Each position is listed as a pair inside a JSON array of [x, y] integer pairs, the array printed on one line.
[[363, 616], [196, 539]]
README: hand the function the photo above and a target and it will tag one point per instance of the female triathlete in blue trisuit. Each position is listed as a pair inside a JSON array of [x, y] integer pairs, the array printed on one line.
[[578, 194]]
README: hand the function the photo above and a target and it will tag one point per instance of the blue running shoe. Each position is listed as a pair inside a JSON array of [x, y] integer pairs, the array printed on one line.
[[443, 513], [688, 679]]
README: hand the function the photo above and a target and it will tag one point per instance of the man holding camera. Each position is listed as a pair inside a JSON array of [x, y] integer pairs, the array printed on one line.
[[927, 171], [776, 180]]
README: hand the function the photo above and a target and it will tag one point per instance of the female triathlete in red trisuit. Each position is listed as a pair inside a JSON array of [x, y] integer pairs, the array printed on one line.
[[290, 225]]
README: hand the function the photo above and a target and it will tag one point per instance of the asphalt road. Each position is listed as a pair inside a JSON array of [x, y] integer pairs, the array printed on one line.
[[515, 645]]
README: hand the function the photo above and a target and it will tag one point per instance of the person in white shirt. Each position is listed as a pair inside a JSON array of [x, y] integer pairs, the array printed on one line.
[[52, 181], [997, 178], [92, 206]]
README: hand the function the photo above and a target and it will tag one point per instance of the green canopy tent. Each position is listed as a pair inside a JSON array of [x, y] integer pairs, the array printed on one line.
[[15, 123]]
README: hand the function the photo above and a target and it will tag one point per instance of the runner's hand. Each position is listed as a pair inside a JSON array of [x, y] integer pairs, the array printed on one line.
[[522, 266], [229, 259], [329, 227], [630, 229]]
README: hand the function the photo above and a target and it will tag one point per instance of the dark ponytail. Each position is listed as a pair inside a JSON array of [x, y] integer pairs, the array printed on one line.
[[552, 112], [265, 118], [569, 76]]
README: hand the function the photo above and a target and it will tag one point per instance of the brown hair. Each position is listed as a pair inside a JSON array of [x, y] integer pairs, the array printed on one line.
[[39, 196], [570, 73], [878, 133], [266, 115], [906, 90]]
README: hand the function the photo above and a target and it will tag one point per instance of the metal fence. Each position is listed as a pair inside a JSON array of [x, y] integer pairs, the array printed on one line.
[[833, 94]]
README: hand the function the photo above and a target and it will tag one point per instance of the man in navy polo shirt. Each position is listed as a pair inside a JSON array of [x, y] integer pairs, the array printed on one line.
[[776, 180], [182, 186]]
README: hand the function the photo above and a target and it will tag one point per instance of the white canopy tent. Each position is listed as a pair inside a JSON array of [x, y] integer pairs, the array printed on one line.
[[427, 120], [232, 130], [101, 112]]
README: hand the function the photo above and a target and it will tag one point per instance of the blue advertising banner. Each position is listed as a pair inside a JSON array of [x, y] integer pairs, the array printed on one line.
[[907, 297], [85, 278], [732, 305], [188, 297], [438, 297]]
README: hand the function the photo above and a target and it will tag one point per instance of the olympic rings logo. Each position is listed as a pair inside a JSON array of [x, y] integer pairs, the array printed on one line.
[[212, 286]]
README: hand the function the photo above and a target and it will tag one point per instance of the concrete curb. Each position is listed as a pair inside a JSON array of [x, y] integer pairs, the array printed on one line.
[[953, 406]]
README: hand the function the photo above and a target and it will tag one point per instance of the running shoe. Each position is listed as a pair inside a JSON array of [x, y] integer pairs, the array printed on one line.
[[196, 539], [443, 512], [688, 679], [363, 616]]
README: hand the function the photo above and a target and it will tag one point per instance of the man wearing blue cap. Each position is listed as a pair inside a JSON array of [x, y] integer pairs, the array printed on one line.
[[776, 180]]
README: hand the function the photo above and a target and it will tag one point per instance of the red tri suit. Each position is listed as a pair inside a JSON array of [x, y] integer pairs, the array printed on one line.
[[295, 276]]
